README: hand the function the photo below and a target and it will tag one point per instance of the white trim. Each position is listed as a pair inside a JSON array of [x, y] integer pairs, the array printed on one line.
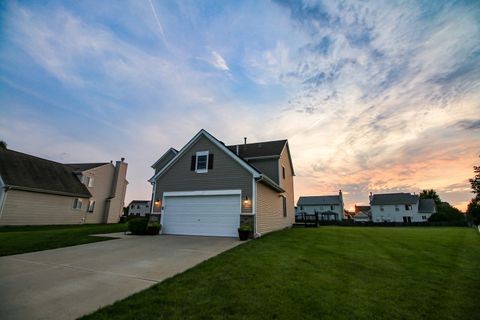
[[216, 143], [201, 193], [262, 157], [152, 202], [3, 195], [164, 155], [199, 154], [254, 206]]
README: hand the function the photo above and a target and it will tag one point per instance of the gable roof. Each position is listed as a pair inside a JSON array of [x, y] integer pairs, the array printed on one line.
[[247, 166], [259, 149], [393, 198], [426, 206], [319, 200], [25, 172], [362, 208], [173, 151], [139, 201], [79, 167]]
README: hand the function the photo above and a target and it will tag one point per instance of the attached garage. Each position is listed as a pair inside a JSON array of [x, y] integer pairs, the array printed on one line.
[[203, 213]]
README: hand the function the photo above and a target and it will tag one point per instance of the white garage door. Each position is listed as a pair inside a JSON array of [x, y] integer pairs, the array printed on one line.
[[212, 215]]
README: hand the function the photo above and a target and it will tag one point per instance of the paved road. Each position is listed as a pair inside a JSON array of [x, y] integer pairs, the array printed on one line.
[[67, 283]]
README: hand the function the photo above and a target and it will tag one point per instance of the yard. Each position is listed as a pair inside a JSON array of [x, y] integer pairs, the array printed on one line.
[[14, 240], [324, 273]]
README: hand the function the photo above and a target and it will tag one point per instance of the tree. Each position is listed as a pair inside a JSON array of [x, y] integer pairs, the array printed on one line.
[[475, 182], [431, 194], [446, 212], [3, 144], [473, 209]]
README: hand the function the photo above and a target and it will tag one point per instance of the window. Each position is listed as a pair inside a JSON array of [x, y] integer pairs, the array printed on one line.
[[301, 207], [88, 181], [408, 207], [202, 162], [91, 206], [284, 200], [138, 207], [283, 172], [77, 203], [424, 217], [132, 206], [381, 208], [397, 208], [331, 207]]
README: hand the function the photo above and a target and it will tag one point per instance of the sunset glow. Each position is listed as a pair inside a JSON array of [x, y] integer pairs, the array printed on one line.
[[373, 97]]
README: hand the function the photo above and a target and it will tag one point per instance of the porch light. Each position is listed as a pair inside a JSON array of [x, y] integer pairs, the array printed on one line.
[[157, 203], [246, 201]]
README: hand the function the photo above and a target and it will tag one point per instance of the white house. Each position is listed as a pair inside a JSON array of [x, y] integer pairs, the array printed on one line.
[[139, 208], [400, 207], [362, 214], [329, 207]]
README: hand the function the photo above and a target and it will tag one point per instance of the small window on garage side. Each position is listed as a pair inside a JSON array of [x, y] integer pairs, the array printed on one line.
[[202, 162], [283, 172], [77, 203], [91, 206], [284, 202]]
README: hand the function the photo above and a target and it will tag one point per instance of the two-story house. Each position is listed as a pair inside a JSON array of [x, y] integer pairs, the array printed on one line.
[[400, 207], [328, 207], [139, 208], [36, 191], [208, 188]]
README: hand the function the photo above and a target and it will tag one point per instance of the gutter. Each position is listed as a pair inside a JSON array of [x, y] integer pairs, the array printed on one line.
[[263, 178], [60, 193]]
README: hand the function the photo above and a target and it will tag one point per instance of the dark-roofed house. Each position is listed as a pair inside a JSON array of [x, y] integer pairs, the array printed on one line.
[[400, 207], [36, 191], [208, 188], [362, 214], [329, 207]]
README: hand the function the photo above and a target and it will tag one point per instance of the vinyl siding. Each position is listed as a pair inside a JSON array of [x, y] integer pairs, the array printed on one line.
[[267, 166], [106, 185], [31, 208], [287, 184], [270, 210], [226, 174], [164, 161]]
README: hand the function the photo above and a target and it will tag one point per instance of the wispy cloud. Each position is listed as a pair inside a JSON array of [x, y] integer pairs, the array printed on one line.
[[159, 25], [372, 96]]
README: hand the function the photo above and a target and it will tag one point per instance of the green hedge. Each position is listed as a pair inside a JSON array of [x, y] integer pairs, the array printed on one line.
[[138, 225]]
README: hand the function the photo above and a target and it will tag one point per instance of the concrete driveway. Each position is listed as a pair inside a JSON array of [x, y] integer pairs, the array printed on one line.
[[67, 283]]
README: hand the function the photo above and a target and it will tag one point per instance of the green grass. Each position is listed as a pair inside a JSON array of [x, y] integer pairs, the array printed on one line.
[[14, 240], [324, 273]]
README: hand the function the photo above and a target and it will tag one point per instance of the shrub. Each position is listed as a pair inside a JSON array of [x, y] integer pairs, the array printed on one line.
[[138, 226], [245, 228]]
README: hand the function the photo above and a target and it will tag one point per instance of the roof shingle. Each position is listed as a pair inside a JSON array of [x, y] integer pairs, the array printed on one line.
[[318, 200], [22, 171], [393, 198]]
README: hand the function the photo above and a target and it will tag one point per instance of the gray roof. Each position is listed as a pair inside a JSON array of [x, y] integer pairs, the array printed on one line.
[[79, 167], [25, 172], [259, 149], [426, 206], [393, 198], [319, 200]]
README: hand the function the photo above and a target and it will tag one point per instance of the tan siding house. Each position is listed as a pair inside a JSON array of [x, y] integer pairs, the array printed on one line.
[[212, 189], [35, 191]]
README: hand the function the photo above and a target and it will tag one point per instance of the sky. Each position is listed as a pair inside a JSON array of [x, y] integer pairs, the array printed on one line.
[[379, 96]]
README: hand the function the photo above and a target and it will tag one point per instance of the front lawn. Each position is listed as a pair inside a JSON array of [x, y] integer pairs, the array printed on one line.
[[15, 240], [324, 273]]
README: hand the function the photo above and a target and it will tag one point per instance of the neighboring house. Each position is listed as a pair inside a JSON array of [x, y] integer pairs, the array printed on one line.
[[208, 188], [400, 207], [328, 207], [362, 214], [139, 208], [36, 191]]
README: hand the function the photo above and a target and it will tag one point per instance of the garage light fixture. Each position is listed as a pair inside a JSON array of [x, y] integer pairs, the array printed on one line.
[[247, 201], [157, 203]]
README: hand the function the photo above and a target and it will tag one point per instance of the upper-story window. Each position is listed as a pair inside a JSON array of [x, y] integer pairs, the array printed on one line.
[[408, 207], [88, 181], [397, 208], [77, 203], [283, 172], [332, 207], [202, 162], [381, 208]]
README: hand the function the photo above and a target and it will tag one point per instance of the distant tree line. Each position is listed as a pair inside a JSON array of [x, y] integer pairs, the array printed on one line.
[[445, 211]]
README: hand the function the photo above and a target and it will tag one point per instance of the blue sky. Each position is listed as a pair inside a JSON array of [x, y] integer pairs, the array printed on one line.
[[373, 96]]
